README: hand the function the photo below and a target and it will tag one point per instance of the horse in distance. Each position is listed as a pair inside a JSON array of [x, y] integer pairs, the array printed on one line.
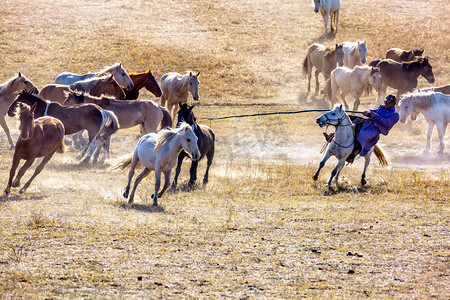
[[38, 138], [354, 82], [116, 70], [176, 88], [98, 86], [205, 142], [444, 89], [328, 9], [355, 53], [435, 107], [400, 55], [324, 59], [99, 123], [158, 152], [141, 80], [8, 92]]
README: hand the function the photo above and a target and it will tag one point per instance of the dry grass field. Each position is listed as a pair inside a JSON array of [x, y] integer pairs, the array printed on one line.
[[261, 228]]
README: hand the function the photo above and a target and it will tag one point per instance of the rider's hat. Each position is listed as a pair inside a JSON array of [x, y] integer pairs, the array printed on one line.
[[391, 98]]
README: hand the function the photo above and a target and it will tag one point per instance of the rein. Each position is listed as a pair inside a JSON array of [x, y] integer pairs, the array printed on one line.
[[334, 136]]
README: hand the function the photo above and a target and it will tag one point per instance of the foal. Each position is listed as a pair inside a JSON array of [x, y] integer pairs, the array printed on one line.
[[38, 138]]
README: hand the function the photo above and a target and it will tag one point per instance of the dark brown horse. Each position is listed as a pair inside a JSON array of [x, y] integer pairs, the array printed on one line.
[[403, 76], [205, 142], [98, 86], [140, 80], [38, 138], [400, 55], [99, 123]]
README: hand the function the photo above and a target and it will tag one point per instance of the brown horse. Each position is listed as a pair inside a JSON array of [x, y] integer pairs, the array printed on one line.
[[99, 123], [403, 76], [400, 55], [54, 92], [324, 59], [38, 138], [140, 80], [205, 143], [8, 92], [98, 86]]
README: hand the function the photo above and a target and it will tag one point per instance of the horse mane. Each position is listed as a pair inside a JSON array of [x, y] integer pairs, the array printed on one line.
[[107, 70], [177, 84], [89, 83], [165, 135], [4, 86], [422, 99], [415, 63]]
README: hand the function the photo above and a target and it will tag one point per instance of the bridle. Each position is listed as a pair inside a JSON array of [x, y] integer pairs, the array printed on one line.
[[339, 123]]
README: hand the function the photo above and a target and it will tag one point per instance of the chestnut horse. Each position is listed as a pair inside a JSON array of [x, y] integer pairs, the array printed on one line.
[[205, 142], [400, 55], [8, 92], [140, 80], [324, 59], [38, 138], [99, 123]]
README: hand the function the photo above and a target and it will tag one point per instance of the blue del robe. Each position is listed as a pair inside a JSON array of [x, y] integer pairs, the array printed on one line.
[[382, 121]]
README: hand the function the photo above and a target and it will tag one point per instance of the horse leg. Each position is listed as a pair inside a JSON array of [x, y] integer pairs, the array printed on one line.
[[440, 130], [336, 171], [22, 170], [181, 156], [6, 129], [133, 164], [336, 19], [139, 178], [429, 133], [15, 164], [325, 20], [157, 185], [366, 164], [99, 145], [37, 171], [167, 175], [343, 95], [322, 164], [193, 173], [356, 103], [209, 157], [316, 74]]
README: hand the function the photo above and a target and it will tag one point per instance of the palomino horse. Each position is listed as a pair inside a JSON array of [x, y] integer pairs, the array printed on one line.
[[436, 109], [96, 86], [355, 53], [341, 146], [403, 76], [206, 140], [400, 55], [324, 59], [140, 80], [352, 81], [158, 152], [176, 88], [38, 138], [99, 123], [116, 70], [328, 8], [151, 116], [445, 89], [8, 92]]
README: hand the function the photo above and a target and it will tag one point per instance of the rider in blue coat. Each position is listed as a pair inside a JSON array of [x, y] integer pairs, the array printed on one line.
[[381, 120]]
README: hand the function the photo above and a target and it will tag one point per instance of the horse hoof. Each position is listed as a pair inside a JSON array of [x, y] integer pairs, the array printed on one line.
[[315, 177], [363, 181]]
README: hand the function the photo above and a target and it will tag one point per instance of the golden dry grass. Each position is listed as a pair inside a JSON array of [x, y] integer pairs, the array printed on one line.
[[262, 228]]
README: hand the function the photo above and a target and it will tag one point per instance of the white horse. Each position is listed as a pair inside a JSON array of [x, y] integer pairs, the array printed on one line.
[[176, 88], [436, 109], [116, 70], [159, 152], [355, 53], [328, 8], [354, 82], [342, 144], [8, 92]]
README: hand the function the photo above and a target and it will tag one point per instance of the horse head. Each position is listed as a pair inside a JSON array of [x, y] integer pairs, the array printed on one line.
[[333, 117], [375, 78], [339, 54], [114, 89], [193, 84], [25, 84], [74, 97], [26, 117], [406, 108], [122, 77], [362, 51], [185, 114], [189, 141], [152, 85], [317, 5], [426, 70]]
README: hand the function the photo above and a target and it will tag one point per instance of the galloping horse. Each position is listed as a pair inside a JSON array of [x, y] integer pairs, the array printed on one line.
[[328, 8], [140, 80], [206, 140], [116, 70], [403, 76], [176, 88], [341, 146], [400, 55], [352, 81], [8, 92], [355, 53], [436, 109], [159, 152], [99, 123], [324, 59], [38, 138]]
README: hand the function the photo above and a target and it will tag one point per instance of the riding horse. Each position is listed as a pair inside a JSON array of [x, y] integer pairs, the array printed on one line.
[[140, 80], [8, 92], [158, 152], [99, 123], [341, 146], [116, 70], [38, 138], [206, 140]]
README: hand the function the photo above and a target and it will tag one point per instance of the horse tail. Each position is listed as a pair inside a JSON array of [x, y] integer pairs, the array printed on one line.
[[122, 163], [305, 65], [379, 153], [166, 120], [110, 124]]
